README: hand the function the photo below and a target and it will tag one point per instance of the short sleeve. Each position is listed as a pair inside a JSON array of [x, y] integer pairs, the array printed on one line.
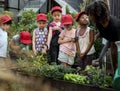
[[52, 24]]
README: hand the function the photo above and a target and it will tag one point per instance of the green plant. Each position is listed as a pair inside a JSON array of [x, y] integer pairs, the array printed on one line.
[[84, 4], [27, 21], [9, 13], [92, 76], [49, 16], [75, 78], [32, 64], [55, 71], [98, 77], [67, 10]]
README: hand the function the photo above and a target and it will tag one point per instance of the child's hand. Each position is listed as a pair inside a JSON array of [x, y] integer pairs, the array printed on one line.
[[71, 40], [76, 39], [67, 40], [44, 52], [56, 28], [35, 52], [82, 55]]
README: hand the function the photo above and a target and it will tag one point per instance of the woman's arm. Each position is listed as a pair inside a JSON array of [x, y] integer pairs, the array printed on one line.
[[97, 36]]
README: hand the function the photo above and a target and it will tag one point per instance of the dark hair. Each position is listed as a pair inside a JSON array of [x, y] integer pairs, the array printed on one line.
[[99, 10], [8, 23]]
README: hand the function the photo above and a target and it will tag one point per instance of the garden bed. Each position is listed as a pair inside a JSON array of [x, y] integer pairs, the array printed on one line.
[[59, 78], [47, 84], [68, 86]]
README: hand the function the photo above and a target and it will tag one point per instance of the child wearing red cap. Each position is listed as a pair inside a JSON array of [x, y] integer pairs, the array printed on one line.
[[85, 40], [19, 44], [54, 31], [40, 35], [67, 42], [5, 22]]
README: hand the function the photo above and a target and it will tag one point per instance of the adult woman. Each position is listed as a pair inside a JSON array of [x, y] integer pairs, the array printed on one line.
[[108, 26]]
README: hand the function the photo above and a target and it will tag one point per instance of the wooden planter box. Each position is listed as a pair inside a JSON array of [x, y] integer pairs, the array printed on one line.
[[46, 84], [68, 86]]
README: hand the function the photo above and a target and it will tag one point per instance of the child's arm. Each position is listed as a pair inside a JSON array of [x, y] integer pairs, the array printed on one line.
[[61, 40], [33, 43], [57, 28], [15, 48], [91, 40], [49, 37], [77, 47]]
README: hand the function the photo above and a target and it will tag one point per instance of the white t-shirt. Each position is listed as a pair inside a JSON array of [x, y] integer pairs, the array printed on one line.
[[84, 41], [3, 43]]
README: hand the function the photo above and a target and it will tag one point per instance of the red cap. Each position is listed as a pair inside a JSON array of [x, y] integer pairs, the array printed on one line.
[[56, 8], [41, 16], [79, 15], [25, 37], [67, 19], [5, 18]]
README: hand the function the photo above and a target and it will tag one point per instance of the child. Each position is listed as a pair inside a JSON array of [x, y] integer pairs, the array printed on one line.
[[54, 31], [19, 45], [85, 40], [40, 35], [66, 40], [5, 22]]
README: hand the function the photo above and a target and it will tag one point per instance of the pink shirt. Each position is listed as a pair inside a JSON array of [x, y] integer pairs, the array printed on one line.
[[69, 47]]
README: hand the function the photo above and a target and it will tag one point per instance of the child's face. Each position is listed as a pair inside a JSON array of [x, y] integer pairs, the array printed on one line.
[[57, 16], [6, 27], [68, 26], [41, 24], [84, 20]]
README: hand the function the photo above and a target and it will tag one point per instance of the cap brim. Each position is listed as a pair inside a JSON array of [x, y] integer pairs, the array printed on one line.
[[26, 41], [42, 20], [56, 10], [66, 23]]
